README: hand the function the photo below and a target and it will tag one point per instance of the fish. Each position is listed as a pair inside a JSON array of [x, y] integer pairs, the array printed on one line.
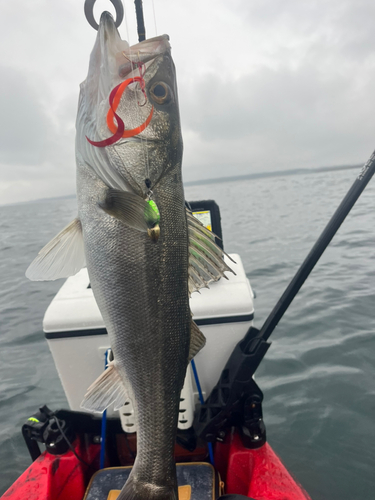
[[144, 251]]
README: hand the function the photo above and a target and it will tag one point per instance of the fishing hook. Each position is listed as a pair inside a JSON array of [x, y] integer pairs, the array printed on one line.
[[142, 71], [89, 12]]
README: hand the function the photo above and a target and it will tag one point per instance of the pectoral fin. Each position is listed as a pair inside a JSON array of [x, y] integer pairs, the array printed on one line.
[[62, 257], [131, 209]]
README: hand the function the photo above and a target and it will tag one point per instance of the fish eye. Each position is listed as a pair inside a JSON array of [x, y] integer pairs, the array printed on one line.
[[161, 93]]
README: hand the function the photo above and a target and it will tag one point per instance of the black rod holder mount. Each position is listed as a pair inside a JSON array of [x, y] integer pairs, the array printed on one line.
[[236, 399]]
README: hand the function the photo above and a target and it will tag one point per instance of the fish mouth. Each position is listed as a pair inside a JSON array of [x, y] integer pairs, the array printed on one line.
[[107, 18], [107, 28], [110, 56]]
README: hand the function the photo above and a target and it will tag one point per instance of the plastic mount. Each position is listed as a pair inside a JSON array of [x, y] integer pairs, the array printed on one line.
[[236, 400]]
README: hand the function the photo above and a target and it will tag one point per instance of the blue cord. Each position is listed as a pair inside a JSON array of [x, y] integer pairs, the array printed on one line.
[[210, 448], [104, 421]]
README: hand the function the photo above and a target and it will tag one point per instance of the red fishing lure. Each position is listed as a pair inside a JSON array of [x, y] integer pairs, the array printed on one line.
[[119, 130]]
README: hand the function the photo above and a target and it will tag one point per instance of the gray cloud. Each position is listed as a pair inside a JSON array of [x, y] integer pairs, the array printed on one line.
[[24, 126], [266, 84], [36, 144], [311, 104]]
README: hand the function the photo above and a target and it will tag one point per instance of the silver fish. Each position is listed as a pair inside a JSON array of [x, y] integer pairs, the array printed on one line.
[[144, 252]]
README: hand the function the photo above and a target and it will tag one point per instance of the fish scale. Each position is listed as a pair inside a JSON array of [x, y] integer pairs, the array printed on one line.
[[143, 298], [137, 253]]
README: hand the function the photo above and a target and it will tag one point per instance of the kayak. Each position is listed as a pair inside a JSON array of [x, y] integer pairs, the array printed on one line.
[[221, 436], [255, 473]]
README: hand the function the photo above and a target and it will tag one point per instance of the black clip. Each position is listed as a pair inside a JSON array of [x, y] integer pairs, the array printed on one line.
[[44, 427]]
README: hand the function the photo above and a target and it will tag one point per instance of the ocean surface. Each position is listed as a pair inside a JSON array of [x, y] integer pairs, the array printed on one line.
[[318, 377]]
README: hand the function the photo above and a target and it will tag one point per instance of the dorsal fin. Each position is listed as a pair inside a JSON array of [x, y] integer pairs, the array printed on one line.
[[206, 263]]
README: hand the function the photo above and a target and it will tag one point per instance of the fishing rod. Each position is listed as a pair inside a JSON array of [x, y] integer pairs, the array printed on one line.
[[316, 252], [140, 20], [236, 399]]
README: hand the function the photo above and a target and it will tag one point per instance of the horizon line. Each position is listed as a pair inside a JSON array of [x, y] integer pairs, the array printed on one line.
[[274, 173], [218, 180]]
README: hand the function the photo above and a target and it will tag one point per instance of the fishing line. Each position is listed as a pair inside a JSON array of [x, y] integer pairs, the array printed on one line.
[[153, 10], [132, 454], [140, 80], [104, 418], [140, 67], [143, 141], [126, 25]]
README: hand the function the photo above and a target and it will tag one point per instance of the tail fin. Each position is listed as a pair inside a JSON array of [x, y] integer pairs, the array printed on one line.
[[139, 490]]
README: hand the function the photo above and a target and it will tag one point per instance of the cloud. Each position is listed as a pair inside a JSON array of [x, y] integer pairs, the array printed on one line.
[[263, 85], [275, 119], [36, 145], [24, 125], [304, 101]]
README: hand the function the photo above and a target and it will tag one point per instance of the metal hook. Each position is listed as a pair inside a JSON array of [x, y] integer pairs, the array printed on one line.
[[89, 12]]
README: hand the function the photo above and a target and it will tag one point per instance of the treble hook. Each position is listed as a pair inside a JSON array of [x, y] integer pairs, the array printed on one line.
[[89, 12]]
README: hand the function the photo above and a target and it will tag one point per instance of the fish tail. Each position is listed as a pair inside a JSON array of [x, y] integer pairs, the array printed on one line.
[[140, 490]]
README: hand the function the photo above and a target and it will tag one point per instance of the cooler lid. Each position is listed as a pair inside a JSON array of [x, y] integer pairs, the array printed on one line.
[[74, 307]]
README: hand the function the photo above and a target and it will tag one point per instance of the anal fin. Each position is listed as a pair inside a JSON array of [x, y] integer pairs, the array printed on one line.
[[197, 340], [107, 389]]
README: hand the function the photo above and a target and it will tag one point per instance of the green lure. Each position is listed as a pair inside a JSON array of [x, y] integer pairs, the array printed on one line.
[[155, 209]]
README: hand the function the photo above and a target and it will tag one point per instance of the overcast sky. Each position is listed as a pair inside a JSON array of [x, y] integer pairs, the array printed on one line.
[[263, 85]]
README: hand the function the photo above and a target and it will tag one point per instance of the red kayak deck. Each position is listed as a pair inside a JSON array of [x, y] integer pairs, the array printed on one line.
[[56, 477], [258, 474]]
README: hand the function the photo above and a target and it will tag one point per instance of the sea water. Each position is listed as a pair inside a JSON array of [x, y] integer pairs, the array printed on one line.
[[317, 377]]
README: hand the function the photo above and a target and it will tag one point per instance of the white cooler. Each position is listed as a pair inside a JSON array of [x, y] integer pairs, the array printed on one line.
[[78, 339]]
